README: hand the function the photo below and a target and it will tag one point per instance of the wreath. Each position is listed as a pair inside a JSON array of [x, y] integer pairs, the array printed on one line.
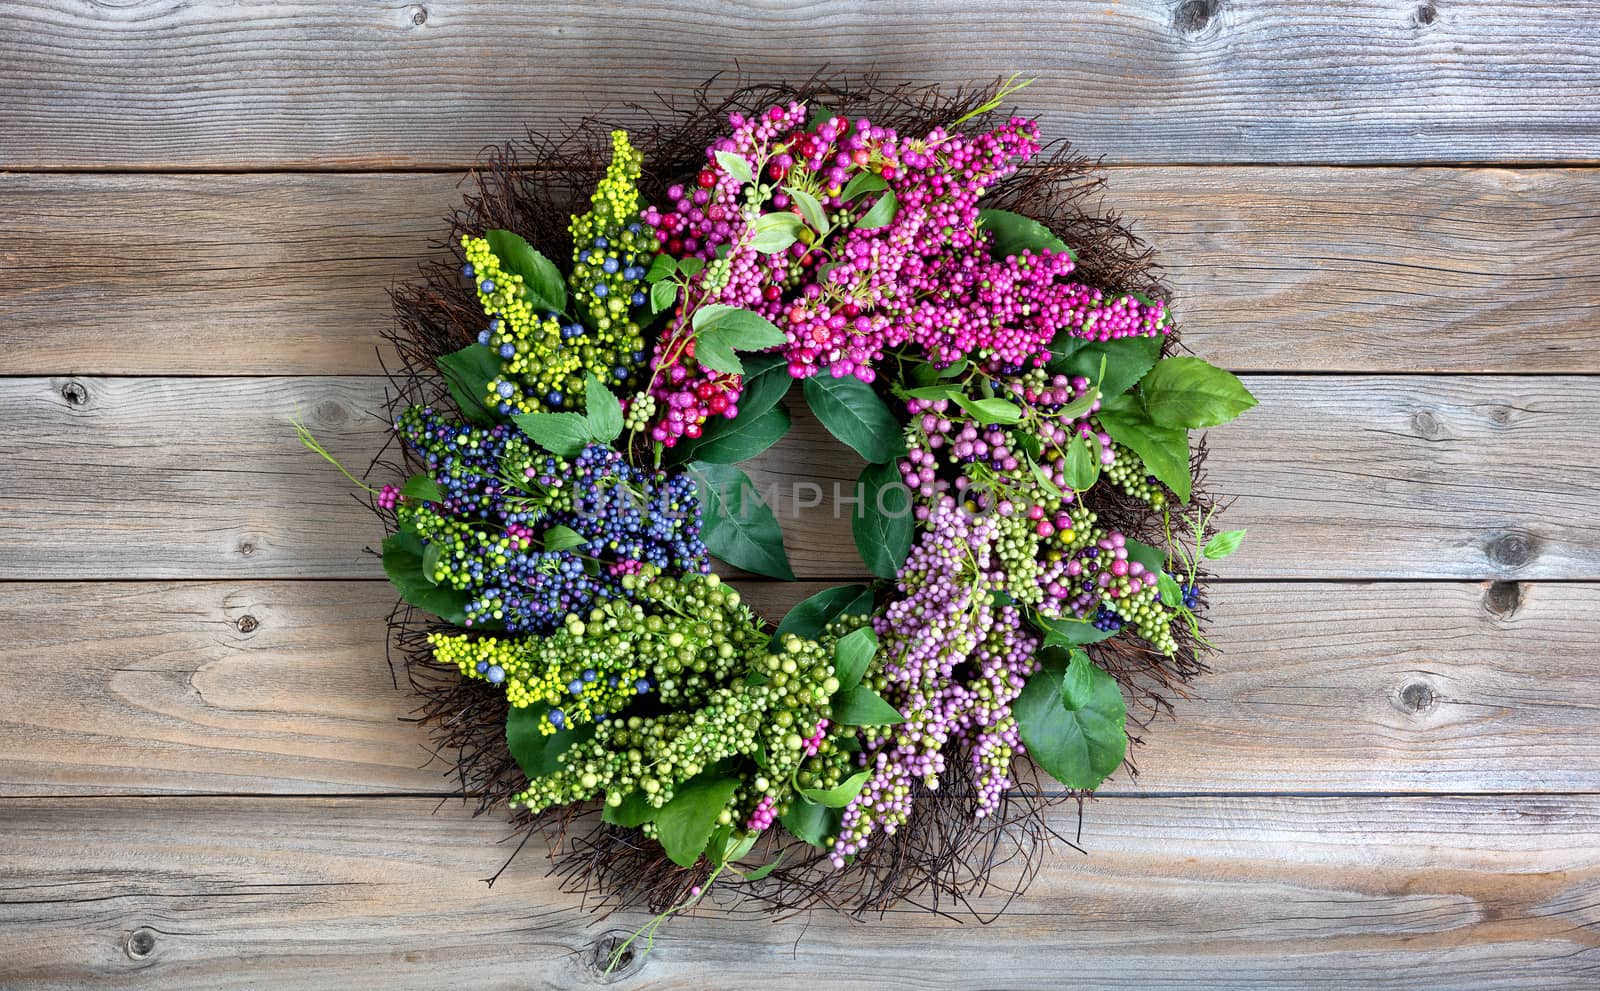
[[953, 309]]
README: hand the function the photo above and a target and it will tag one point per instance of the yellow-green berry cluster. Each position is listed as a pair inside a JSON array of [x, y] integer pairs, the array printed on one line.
[[538, 369], [612, 250], [585, 684]]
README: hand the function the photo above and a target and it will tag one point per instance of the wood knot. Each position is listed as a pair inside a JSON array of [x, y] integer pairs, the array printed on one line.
[[140, 943], [1424, 15], [628, 962], [1417, 697], [75, 394], [1512, 549], [1193, 16], [420, 17], [1425, 424], [247, 548], [248, 624], [1503, 599]]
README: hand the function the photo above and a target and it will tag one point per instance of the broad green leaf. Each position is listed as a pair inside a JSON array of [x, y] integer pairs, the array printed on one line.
[[861, 183], [935, 393], [635, 810], [861, 706], [559, 433], [736, 525], [883, 524], [1071, 716], [810, 617], [547, 289], [716, 354], [691, 266], [881, 214], [467, 373], [1150, 557], [840, 795], [422, 487], [735, 846], [430, 561], [773, 232], [1164, 450], [1171, 591], [685, 824], [812, 823], [1083, 463], [766, 380], [736, 165], [1014, 234], [990, 411], [537, 753], [952, 370], [852, 655], [662, 295], [852, 412], [810, 209], [402, 563], [661, 267], [743, 329], [562, 538], [763, 870], [1071, 632], [1189, 393], [743, 438], [1222, 545], [1126, 360], [1045, 481], [603, 410]]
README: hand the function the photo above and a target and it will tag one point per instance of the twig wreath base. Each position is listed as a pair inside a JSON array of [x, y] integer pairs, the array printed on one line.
[[942, 858]]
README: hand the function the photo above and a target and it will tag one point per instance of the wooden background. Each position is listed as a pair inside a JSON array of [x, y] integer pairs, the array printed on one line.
[[1382, 212]]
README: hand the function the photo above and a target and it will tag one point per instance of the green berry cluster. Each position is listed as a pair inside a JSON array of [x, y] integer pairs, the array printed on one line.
[[1128, 473], [536, 361], [558, 671]]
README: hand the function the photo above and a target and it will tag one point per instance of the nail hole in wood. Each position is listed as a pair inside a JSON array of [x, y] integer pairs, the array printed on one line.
[[75, 394], [247, 548], [420, 17], [1425, 15], [141, 943], [248, 624], [1192, 16], [1503, 598]]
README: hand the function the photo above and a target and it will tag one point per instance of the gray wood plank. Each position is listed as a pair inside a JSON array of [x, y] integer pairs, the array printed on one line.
[[1273, 269], [1194, 892], [1335, 477], [281, 688], [352, 84]]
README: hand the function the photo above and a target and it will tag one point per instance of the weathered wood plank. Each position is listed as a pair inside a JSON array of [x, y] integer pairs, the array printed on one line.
[[1336, 477], [314, 83], [1296, 269], [282, 688], [1404, 893]]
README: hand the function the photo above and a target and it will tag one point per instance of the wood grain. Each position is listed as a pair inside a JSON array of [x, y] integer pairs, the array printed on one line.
[[1273, 269], [282, 688], [1195, 892], [214, 85], [1335, 477]]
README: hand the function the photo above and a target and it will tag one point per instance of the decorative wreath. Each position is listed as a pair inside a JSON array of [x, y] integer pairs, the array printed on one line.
[[955, 312]]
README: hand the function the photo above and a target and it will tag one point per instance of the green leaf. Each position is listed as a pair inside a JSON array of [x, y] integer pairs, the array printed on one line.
[[738, 328], [1083, 463], [852, 655], [603, 410], [1045, 481], [812, 823], [430, 561], [861, 183], [1014, 234], [990, 411], [883, 524], [1126, 360], [841, 794], [763, 870], [861, 706], [810, 617], [952, 370], [559, 433], [810, 209], [736, 525], [766, 380], [881, 214], [662, 295], [467, 373], [773, 232], [422, 487], [732, 848], [853, 413], [685, 824], [547, 290], [945, 391], [402, 563], [1150, 557], [562, 538], [736, 165], [1028, 443], [635, 810], [661, 267], [537, 752], [1071, 715], [1190, 393], [1222, 545], [1071, 632], [743, 438], [1164, 450], [1171, 591], [690, 267], [715, 354]]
